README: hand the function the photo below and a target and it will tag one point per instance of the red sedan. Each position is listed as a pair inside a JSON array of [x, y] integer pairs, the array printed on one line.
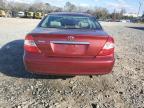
[[69, 44]]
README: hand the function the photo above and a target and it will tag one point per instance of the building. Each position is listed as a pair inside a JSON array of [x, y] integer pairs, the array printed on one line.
[[132, 15]]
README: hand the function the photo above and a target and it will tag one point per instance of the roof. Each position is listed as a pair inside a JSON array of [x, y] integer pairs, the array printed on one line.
[[70, 13]]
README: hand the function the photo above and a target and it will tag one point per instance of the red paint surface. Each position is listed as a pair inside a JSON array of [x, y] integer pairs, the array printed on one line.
[[67, 59]]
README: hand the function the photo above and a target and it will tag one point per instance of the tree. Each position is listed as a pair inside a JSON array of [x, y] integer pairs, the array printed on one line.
[[143, 15], [100, 13], [37, 6], [48, 8], [70, 7], [2, 4], [140, 5], [122, 12], [15, 7]]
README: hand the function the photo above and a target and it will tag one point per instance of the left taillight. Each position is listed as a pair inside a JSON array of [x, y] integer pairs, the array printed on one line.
[[29, 45]]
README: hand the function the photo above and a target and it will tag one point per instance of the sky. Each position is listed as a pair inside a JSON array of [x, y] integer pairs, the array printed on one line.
[[131, 6]]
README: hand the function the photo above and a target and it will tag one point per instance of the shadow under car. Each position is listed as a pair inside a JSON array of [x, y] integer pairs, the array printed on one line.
[[11, 62], [138, 28]]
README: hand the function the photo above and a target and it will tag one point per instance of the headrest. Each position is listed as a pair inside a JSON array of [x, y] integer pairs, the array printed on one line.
[[83, 24], [55, 24]]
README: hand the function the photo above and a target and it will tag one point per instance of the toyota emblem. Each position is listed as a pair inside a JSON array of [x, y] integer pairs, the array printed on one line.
[[71, 38]]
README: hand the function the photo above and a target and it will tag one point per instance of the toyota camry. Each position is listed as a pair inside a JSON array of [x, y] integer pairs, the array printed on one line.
[[69, 44]]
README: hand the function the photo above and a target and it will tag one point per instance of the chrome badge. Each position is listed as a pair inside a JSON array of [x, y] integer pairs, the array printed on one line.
[[71, 38]]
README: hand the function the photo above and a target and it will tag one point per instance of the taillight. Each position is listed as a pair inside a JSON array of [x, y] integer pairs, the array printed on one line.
[[108, 47], [29, 45]]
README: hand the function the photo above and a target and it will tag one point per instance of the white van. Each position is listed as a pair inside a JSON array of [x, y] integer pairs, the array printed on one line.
[[21, 14]]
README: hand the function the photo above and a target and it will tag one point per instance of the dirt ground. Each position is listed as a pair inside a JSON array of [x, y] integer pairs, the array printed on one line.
[[123, 88]]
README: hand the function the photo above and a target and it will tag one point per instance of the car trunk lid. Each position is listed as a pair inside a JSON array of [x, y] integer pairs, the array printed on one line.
[[69, 43]]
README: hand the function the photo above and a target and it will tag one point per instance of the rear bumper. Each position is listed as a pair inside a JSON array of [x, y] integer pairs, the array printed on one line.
[[68, 66]]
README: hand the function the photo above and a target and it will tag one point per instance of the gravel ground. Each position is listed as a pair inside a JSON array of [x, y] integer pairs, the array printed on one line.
[[123, 88]]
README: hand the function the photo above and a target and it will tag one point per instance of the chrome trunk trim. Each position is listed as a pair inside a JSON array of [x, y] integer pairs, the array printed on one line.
[[70, 42]]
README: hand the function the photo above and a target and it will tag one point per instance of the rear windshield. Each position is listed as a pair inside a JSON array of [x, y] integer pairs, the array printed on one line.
[[70, 22]]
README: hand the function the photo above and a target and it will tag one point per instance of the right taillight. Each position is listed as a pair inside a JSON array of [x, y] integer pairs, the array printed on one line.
[[29, 45], [108, 47]]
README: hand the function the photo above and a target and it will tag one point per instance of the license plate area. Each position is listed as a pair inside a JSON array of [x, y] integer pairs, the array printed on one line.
[[69, 48]]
